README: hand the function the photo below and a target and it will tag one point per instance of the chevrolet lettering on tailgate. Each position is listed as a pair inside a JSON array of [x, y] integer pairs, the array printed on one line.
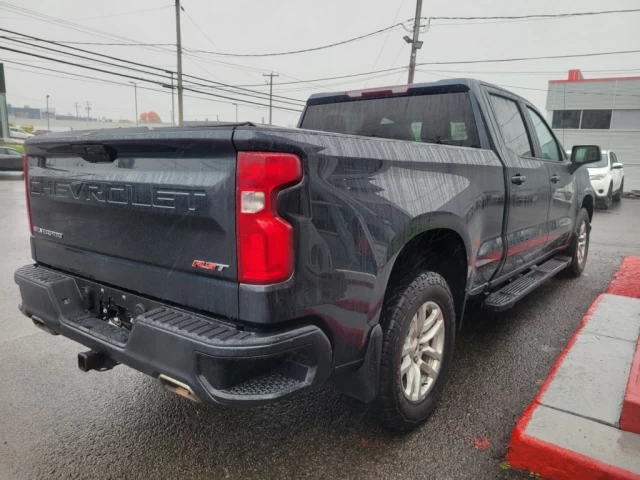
[[154, 196]]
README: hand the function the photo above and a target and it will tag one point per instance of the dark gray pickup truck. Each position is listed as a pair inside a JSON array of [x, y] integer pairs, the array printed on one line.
[[243, 264]]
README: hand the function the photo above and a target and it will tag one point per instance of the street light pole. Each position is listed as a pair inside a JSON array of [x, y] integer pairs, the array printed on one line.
[[236, 111], [135, 94], [48, 128]]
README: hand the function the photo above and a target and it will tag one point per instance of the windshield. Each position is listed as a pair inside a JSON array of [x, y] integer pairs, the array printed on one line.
[[602, 163], [445, 118]]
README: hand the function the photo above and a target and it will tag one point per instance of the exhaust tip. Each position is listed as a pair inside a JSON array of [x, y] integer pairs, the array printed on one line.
[[38, 322], [178, 388]]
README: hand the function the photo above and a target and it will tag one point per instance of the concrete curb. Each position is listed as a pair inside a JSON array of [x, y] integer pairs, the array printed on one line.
[[630, 418], [571, 429]]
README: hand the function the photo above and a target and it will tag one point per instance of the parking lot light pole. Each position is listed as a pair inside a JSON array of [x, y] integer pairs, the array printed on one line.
[[236, 111], [135, 94], [48, 128]]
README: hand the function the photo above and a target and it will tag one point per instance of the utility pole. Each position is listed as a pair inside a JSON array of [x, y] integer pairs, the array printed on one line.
[[48, 113], [415, 43], [179, 46], [236, 111], [77, 105], [88, 109], [270, 75], [135, 94]]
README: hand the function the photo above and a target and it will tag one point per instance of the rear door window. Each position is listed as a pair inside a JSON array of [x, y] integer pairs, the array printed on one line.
[[511, 125], [444, 118]]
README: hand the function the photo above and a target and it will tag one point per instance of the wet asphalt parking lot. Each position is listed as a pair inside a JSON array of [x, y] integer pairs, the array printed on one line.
[[59, 423]]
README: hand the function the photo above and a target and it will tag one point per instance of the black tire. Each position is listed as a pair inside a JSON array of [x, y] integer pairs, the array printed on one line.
[[618, 196], [398, 412], [577, 265], [608, 200]]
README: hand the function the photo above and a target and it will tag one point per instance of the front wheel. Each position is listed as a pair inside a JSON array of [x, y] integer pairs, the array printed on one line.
[[608, 199], [419, 330], [579, 248], [618, 196]]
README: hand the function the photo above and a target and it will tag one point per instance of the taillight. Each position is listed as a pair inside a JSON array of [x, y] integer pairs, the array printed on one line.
[[264, 239], [25, 169]]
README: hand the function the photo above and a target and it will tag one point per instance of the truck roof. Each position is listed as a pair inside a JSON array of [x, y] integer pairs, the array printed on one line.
[[450, 84]]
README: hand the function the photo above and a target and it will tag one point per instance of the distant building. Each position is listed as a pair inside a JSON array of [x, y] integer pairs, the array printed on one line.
[[24, 112], [600, 111]]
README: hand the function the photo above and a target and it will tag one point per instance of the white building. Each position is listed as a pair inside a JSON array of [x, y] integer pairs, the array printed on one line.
[[599, 111]]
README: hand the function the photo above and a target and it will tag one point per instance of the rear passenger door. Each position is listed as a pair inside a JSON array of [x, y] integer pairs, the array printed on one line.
[[563, 205], [527, 184]]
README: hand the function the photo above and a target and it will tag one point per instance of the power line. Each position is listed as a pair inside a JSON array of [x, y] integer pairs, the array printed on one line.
[[304, 50], [386, 38], [143, 79], [592, 92], [99, 33], [83, 57], [461, 62], [122, 13], [536, 16], [90, 79], [80, 65], [243, 70], [391, 27], [102, 34], [199, 29], [67, 42], [265, 95], [31, 37], [100, 80], [245, 101], [395, 60]]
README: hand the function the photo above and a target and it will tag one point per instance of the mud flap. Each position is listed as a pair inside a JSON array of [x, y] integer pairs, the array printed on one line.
[[363, 383]]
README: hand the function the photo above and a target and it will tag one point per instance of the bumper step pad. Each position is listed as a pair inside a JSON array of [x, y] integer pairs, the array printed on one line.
[[508, 295]]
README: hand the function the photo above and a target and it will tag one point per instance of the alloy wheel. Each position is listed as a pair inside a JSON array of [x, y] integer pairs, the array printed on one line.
[[582, 242], [422, 352]]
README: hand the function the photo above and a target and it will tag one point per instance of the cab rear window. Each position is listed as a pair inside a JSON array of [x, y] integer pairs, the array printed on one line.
[[443, 118]]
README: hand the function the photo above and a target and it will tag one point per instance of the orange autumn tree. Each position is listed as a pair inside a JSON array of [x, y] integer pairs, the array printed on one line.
[[150, 117]]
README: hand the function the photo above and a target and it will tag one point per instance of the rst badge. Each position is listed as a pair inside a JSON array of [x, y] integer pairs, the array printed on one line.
[[44, 231], [209, 265]]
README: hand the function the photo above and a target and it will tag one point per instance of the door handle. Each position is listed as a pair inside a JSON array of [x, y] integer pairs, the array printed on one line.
[[518, 179], [555, 179]]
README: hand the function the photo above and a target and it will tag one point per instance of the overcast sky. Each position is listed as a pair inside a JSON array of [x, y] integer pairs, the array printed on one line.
[[242, 26]]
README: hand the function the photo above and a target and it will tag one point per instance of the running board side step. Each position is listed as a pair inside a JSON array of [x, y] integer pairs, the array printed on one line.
[[508, 295]]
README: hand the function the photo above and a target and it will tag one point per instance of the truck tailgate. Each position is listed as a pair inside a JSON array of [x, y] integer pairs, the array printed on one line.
[[153, 213]]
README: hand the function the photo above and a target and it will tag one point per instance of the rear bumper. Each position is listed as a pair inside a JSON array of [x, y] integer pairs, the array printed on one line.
[[219, 361]]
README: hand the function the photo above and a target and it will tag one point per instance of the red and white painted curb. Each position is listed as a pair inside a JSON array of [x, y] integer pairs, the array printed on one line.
[[584, 423]]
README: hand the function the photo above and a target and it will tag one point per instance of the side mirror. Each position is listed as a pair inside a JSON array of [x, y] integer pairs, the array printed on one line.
[[617, 165], [583, 154]]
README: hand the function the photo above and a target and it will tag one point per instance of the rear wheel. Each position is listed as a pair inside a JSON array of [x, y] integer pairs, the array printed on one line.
[[419, 330], [618, 196], [579, 248]]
